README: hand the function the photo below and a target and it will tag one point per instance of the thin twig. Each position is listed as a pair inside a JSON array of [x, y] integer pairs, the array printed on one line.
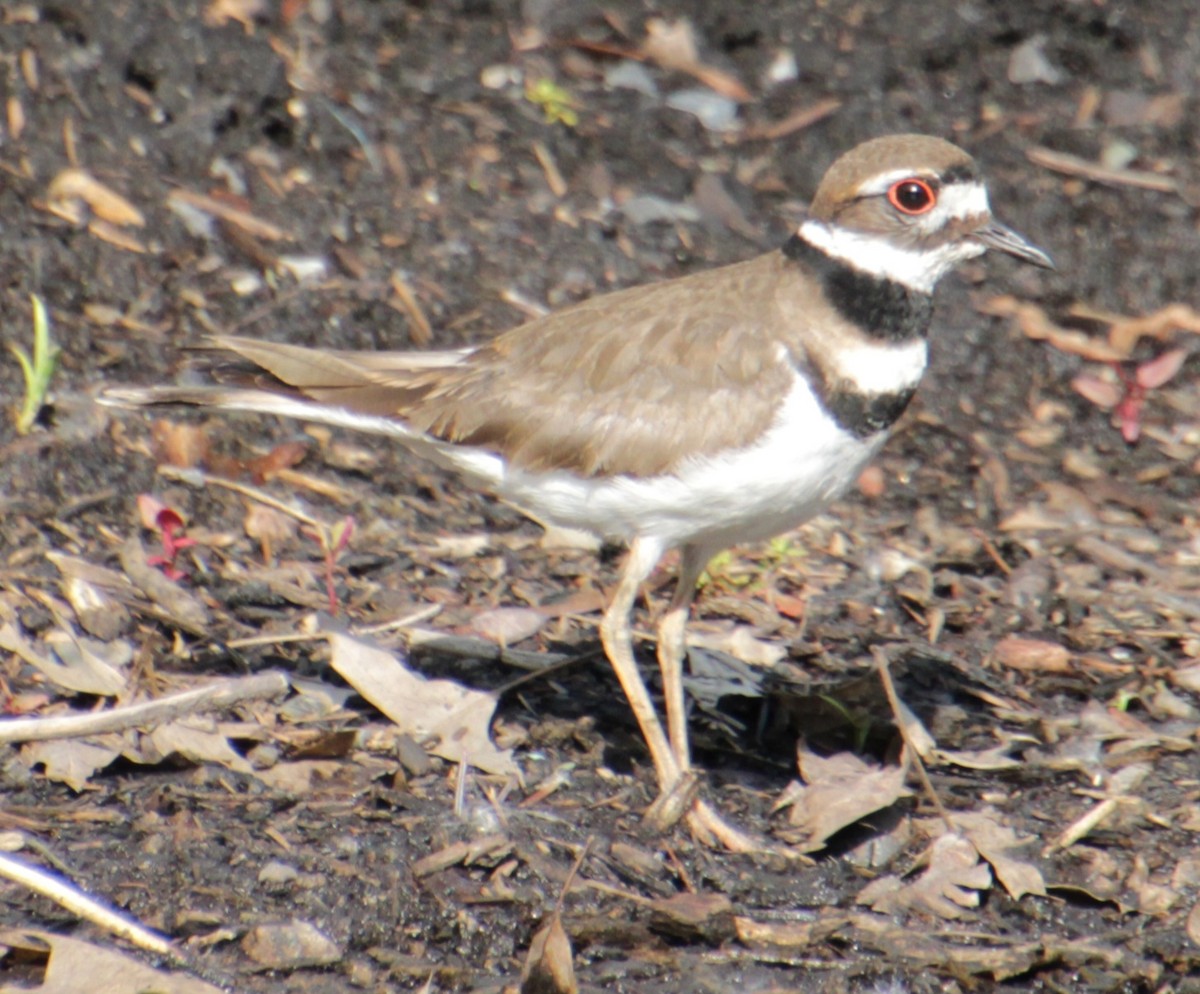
[[408, 621], [1073, 165], [889, 688], [421, 331], [215, 697], [798, 120], [87, 908], [554, 179], [545, 671], [573, 872], [194, 476]]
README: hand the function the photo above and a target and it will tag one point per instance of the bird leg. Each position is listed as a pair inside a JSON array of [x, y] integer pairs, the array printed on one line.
[[616, 634], [703, 819], [676, 783], [672, 649]]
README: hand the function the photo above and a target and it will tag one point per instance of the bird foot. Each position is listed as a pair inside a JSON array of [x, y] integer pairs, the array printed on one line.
[[673, 803]]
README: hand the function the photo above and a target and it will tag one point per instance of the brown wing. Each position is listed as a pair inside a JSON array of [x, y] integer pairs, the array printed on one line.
[[621, 383]]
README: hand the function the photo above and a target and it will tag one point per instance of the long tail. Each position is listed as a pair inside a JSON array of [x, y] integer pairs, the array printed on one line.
[[254, 402], [365, 391]]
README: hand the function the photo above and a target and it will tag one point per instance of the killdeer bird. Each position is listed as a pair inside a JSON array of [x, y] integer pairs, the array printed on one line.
[[724, 407]]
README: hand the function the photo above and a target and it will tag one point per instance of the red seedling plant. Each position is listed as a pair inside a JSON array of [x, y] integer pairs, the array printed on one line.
[[170, 526], [333, 541], [1127, 398]]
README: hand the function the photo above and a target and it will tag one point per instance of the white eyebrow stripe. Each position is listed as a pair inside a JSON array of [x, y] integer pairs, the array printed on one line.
[[956, 202], [963, 200]]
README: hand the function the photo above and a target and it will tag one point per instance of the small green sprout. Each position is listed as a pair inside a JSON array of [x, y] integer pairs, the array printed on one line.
[[1123, 700], [37, 370], [859, 723], [726, 569], [556, 102], [715, 569]]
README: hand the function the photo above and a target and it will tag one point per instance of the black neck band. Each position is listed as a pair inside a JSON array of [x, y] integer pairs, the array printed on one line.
[[883, 309]]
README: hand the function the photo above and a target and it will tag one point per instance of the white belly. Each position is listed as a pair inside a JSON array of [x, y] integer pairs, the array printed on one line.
[[793, 472]]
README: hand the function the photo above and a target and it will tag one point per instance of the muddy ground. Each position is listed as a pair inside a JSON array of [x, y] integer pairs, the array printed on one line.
[[1031, 575]]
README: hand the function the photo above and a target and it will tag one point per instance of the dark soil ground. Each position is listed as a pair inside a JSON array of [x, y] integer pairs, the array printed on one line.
[[401, 144]]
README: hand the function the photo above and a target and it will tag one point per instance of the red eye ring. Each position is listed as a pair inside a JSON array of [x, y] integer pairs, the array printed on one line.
[[912, 196]]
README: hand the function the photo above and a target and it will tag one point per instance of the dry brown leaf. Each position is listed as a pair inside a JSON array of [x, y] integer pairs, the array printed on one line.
[[691, 916], [1193, 923], [932, 948], [97, 612], [72, 761], [73, 187], [453, 718], [994, 842], [290, 946], [282, 457], [672, 44], [1118, 727], [1187, 678], [493, 846], [460, 546], [116, 237], [244, 12], [1104, 393], [1126, 332], [949, 885], [916, 735], [180, 607], [508, 625], [179, 444], [741, 643], [228, 213], [783, 935], [1032, 655], [268, 527], [995, 758], [1034, 518], [107, 971], [196, 740], [297, 778], [1099, 874], [15, 112], [548, 968], [1154, 896], [840, 790], [1123, 333], [74, 666], [1036, 325]]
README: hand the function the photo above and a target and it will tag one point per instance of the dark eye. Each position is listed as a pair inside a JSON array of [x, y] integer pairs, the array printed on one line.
[[912, 196]]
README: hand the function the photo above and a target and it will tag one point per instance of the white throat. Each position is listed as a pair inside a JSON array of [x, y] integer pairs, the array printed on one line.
[[917, 269]]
